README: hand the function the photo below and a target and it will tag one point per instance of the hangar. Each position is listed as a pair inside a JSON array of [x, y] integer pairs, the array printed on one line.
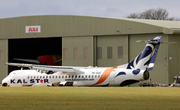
[[89, 41]]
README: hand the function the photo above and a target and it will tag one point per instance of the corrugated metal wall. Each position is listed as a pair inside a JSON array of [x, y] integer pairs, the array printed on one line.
[[61, 25], [3, 58], [173, 57], [77, 51], [72, 44], [114, 42]]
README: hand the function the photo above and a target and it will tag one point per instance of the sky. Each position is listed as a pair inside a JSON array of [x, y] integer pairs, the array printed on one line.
[[101, 8]]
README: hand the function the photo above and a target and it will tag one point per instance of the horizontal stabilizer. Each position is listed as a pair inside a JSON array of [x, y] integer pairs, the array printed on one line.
[[166, 42], [155, 42]]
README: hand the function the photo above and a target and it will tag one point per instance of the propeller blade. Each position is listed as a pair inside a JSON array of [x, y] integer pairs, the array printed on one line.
[[26, 60], [60, 60]]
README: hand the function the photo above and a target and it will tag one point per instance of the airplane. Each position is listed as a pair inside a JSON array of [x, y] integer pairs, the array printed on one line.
[[122, 75], [55, 60]]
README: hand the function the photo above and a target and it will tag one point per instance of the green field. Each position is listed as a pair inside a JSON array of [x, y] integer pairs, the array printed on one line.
[[50, 98]]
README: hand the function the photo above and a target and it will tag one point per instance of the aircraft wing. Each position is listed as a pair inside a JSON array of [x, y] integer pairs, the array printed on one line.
[[66, 69]]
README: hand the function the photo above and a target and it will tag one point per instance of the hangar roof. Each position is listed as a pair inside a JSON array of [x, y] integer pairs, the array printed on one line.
[[70, 25], [174, 25]]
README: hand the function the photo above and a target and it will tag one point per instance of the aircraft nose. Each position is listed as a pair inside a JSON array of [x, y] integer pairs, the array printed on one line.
[[5, 82]]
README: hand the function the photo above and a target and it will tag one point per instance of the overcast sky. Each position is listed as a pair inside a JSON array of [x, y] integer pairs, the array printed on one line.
[[105, 8]]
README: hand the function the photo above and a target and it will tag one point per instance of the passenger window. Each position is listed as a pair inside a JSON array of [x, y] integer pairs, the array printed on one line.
[[40, 77], [59, 76], [49, 76], [37, 76], [92, 76], [98, 76], [72, 76], [65, 76], [105, 76], [79, 76], [34, 77], [43, 77], [76, 76], [31, 77], [86, 76], [52, 76], [62, 76], [28, 77], [46, 76], [56, 76], [89, 76], [82, 76], [101, 76], [69, 76], [95, 76]]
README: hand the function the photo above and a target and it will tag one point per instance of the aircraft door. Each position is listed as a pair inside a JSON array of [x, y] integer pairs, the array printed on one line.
[[111, 78]]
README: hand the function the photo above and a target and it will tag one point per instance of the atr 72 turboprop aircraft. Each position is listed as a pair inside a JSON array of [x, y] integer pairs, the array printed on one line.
[[135, 71]]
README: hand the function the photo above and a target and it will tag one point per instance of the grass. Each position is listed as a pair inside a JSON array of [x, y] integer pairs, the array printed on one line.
[[52, 98]]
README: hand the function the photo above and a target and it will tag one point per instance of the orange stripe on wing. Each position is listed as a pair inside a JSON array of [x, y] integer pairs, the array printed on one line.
[[107, 73]]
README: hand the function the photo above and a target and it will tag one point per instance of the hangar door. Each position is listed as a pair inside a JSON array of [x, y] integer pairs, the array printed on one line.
[[3, 58], [33, 48], [77, 51], [111, 50]]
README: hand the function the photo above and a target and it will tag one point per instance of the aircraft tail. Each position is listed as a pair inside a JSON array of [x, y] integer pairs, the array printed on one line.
[[145, 60]]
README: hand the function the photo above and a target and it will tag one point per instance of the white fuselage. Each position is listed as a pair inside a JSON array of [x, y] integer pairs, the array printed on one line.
[[92, 77]]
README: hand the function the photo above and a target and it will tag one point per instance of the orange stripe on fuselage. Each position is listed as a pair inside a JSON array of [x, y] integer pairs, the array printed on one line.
[[107, 73]]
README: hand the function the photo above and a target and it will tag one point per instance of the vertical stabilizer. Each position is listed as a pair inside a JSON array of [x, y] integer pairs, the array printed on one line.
[[145, 60]]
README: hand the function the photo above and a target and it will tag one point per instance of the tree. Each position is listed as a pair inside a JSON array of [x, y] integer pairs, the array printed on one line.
[[156, 14]]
